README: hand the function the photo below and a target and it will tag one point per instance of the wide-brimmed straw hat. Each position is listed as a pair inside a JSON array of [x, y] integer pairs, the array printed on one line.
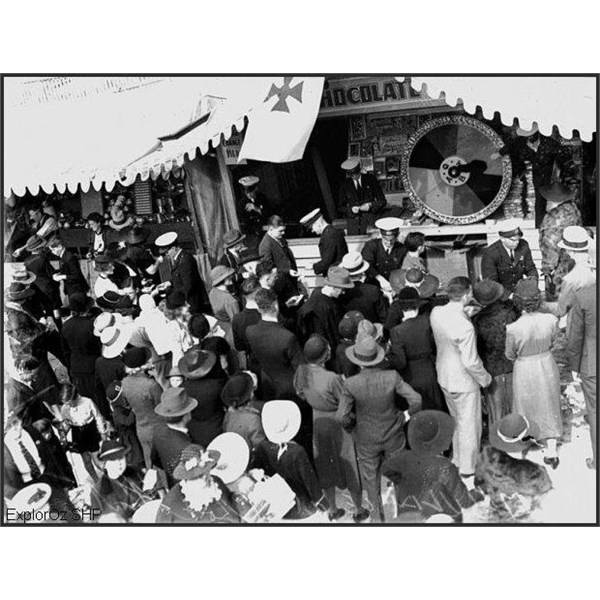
[[430, 431], [508, 434], [19, 291], [197, 363], [114, 340], [575, 239], [104, 320], [281, 420], [354, 263], [175, 402], [195, 462], [34, 497], [366, 353], [234, 456]]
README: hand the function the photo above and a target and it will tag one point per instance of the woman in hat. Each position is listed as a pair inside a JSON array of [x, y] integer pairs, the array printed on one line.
[[110, 366], [536, 380], [110, 275], [224, 304], [210, 336], [425, 480], [279, 454], [198, 497], [177, 311], [143, 394], [335, 456], [83, 421], [490, 326], [412, 352], [243, 413], [204, 381]]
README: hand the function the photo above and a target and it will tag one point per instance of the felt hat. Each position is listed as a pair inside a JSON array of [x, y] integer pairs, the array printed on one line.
[[137, 235], [175, 300], [348, 328], [175, 402], [232, 237], [197, 363], [19, 291], [365, 353], [509, 228], [355, 315], [238, 390], [487, 292], [354, 263], [165, 241], [527, 289], [114, 340], [248, 181], [31, 498], [175, 372], [111, 450], [556, 192], [198, 326], [339, 278], [135, 357], [351, 164], [234, 456], [367, 329], [114, 390], [80, 302], [20, 274], [527, 132], [430, 431], [195, 462], [508, 434], [311, 218], [575, 239], [281, 420], [35, 242], [220, 273], [104, 320], [389, 225], [102, 263], [315, 349]]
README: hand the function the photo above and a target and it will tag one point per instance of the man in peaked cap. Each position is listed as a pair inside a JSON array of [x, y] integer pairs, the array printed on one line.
[[252, 209], [384, 254], [332, 243], [509, 259], [360, 197]]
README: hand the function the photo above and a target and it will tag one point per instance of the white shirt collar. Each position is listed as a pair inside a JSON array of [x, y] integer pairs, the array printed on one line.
[[269, 318]]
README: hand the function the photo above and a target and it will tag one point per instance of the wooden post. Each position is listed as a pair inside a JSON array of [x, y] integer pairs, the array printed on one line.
[[323, 182], [227, 185]]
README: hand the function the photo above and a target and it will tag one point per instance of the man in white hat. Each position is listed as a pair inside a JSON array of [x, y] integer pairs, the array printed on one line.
[[360, 197], [252, 208], [542, 153], [384, 254], [332, 243], [185, 275], [509, 259]]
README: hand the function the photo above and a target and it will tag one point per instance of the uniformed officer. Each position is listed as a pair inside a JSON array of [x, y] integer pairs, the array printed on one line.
[[252, 209], [361, 198], [332, 242], [508, 260], [384, 254], [185, 276]]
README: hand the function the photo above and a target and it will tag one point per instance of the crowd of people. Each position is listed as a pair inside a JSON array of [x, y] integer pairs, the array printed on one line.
[[249, 398]]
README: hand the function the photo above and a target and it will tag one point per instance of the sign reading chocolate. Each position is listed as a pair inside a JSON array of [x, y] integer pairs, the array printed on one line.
[[343, 96]]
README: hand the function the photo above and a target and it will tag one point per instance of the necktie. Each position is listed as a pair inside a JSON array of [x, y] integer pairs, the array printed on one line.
[[512, 256], [33, 466]]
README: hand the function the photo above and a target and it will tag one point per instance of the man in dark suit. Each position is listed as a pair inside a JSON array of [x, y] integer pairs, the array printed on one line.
[[170, 438], [364, 297], [384, 254], [360, 197], [185, 276], [69, 270], [274, 250], [581, 347], [332, 242], [249, 315], [508, 260]]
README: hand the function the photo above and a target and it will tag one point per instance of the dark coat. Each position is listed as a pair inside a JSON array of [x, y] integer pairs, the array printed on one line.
[[82, 347], [207, 417], [321, 315], [581, 334], [412, 354], [278, 353], [367, 299], [380, 262], [497, 265], [276, 254], [229, 260], [68, 264], [167, 446], [332, 247], [490, 327], [239, 323], [343, 365], [54, 458], [107, 370], [49, 290], [185, 278], [26, 403], [349, 196], [394, 317], [251, 221]]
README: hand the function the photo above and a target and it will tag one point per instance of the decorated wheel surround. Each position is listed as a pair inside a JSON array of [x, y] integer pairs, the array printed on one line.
[[449, 169]]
